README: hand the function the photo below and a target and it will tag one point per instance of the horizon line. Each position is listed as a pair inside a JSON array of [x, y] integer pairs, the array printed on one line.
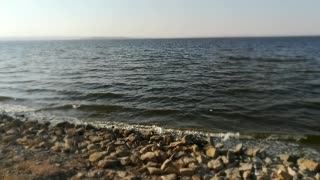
[[14, 38]]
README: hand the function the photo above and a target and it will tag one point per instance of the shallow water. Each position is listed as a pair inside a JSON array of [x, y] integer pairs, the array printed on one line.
[[259, 85]]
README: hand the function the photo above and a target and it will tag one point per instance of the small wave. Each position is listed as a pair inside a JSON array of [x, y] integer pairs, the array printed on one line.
[[95, 58], [10, 108], [161, 112], [239, 58], [84, 107], [98, 96], [6, 98]]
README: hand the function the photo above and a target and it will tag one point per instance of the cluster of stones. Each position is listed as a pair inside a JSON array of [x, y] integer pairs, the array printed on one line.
[[129, 154]]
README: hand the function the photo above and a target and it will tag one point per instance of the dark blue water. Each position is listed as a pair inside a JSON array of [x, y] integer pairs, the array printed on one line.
[[223, 84]]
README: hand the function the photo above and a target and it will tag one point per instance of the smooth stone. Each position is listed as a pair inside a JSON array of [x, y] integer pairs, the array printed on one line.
[[169, 177], [194, 148], [96, 156], [245, 167], [268, 161], [201, 159], [216, 165], [187, 139], [286, 157], [108, 163], [253, 151], [154, 171], [238, 149], [212, 152], [186, 171], [175, 144], [92, 147], [246, 175], [147, 148], [166, 164], [232, 173], [125, 161], [95, 139], [291, 172], [149, 156], [283, 175], [219, 145], [308, 164]]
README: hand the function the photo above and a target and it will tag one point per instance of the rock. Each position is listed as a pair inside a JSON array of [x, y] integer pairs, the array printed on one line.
[[154, 171], [12, 131], [64, 124], [252, 151], [168, 167], [283, 175], [187, 139], [152, 164], [168, 138], [246, 175], [196, 177], [237, 149], [291, 172], [96, 156], [310, 165], [80, 131], [187, 160], [95, 174], [108, 163], [186, 171], [122, 152], [57, 147], [95, 139], [201, 159], [268, 161], [92, 147], [110, 148], [148, 148], [135, 159], [149, 156], [132, 137], [216, 165], [169, 177], [219, 145], [245, 167], [41, 132], [9, 138], [175, 144], [125, 161], [160, 155], [266, 170], [233, 173], [212, 152], [287, 158], [194, 148], [166, 164], [225, 160]]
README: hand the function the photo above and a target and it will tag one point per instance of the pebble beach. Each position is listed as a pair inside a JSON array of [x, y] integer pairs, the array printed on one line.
[[33, 150]]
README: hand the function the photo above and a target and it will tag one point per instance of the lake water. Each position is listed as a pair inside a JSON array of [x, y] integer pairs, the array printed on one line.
[[258, 85]]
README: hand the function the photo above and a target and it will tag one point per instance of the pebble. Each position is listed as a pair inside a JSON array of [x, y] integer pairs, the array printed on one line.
[[96, 156]]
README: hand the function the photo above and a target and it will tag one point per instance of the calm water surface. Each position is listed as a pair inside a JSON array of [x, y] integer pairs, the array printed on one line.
[[233, 84]]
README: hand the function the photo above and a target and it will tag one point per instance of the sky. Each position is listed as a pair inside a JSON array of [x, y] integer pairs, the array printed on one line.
[[158, 18]]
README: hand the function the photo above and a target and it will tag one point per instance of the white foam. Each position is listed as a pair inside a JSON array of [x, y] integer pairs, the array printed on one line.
[[11, 108]]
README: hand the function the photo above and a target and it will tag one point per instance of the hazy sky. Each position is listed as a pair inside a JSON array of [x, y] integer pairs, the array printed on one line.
[[159, 18]]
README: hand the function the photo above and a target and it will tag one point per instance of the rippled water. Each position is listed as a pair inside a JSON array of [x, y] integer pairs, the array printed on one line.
[[232, 84]]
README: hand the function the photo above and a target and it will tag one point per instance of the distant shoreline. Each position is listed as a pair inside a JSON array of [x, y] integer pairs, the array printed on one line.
[[66, 38]]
